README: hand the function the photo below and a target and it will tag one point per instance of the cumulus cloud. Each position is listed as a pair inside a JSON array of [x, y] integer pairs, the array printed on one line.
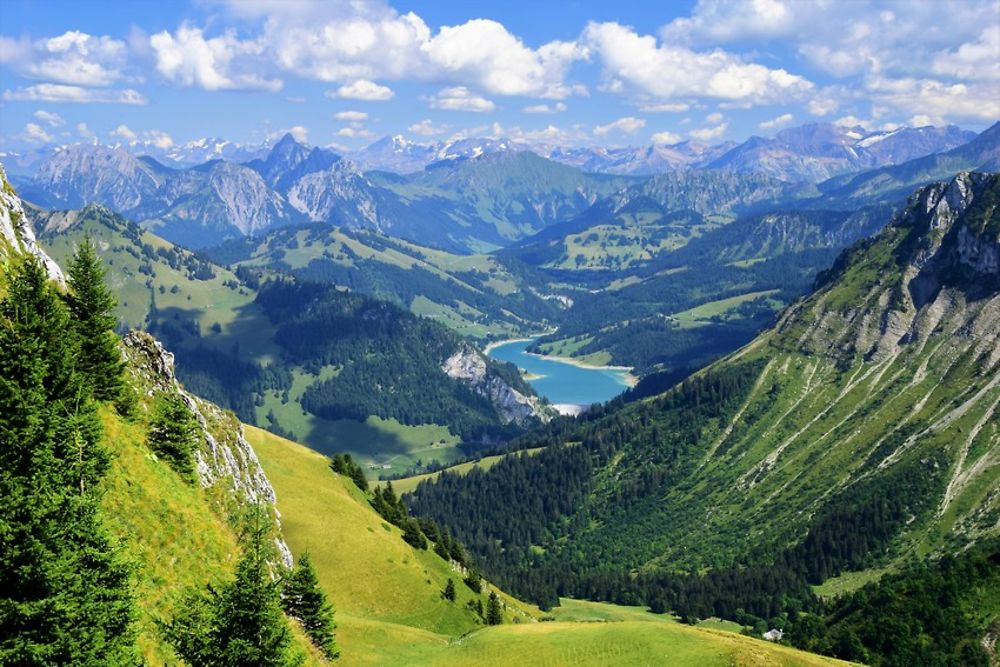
[[363, 89], [666, 138], [460, 98], [124, 132], [709, 133], [54, 92], [426, 128], [224, 62], [73, 57], [354, 116], [49, 118], [558, 107], [158, 138], [976, 59], [783, 119], [637, 62], [628, 125], [35, 133]]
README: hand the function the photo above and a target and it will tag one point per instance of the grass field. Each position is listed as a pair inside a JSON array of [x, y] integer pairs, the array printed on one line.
[[390, 612], [712, 308]]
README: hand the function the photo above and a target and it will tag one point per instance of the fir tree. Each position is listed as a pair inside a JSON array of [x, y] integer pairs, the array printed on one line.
[[92, 306], [494, 613], [303, 599], [240, 623], [64, 595], [449, 591], [173, 433]]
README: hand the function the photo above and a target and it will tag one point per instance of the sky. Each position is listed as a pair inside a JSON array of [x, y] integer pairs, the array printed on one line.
[[344, 73]]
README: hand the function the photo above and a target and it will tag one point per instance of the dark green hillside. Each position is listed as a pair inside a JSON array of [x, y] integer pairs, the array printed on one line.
[[858, 433], [236, 346]]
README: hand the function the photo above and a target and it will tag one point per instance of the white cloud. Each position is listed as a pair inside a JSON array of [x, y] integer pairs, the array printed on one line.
[[628, 125], [823, 105], [714, 118], [354, 116], [666, 138], [671, 107], [363, 89], [354, 132], [978, 59], [218, 63], [50, 118], [460, 98], [124, 132], [85, 132], [912, 96], [709, 133], [720, 21], [158, 138], [666, 71], [783, 119], [36, 133], [484, 53], [54, 92], [558, 107], [73, 57], [426, 128], [854, 121]]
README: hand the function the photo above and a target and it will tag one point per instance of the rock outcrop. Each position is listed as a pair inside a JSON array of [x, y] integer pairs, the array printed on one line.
[[467, 365], [16, 235], [224, 455]]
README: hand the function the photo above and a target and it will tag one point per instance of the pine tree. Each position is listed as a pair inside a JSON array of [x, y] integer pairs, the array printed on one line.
[[64, 595], [173, 433], [494, 613], [240, 623], [303, 599], [92, 306], [449, 591]]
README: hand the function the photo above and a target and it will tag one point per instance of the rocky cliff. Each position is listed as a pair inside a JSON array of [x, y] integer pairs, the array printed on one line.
[[16, 235], [224, 456], [469, 366]]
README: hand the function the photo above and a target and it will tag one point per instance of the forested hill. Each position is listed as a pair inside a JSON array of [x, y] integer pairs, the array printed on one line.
[[241, 342], [857, 433]]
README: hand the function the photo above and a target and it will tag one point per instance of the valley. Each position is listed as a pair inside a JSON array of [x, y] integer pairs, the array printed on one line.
[[355, 333]]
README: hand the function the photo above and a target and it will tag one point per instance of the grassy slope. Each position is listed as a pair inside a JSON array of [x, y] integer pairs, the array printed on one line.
[[171, 530], [389, 611]]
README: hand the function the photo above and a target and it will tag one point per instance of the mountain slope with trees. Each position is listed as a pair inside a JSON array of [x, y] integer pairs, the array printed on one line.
[[858, 432]]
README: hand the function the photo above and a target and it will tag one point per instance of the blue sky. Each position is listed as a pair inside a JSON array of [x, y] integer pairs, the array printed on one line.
[[611, 73]]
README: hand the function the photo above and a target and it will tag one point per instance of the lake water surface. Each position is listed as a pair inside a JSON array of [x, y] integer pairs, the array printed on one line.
[[562, 383]]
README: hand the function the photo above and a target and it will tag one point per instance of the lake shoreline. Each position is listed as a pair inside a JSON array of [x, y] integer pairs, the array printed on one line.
[[630, 378]]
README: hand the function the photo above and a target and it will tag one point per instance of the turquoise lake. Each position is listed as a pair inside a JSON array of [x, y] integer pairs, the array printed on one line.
[[562, 383]]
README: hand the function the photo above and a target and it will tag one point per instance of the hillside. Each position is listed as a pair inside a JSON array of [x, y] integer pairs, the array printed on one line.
[[858, 432], [238, 343], [390, 611], [478, 296]]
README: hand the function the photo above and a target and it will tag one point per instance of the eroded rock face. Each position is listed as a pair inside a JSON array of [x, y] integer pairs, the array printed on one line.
[[224, 453], [469, 366], [15, 230]]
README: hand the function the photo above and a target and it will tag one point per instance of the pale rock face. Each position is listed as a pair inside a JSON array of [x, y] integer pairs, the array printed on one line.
[[228, 457], [15, 230], [340, 194], [469, 366]]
